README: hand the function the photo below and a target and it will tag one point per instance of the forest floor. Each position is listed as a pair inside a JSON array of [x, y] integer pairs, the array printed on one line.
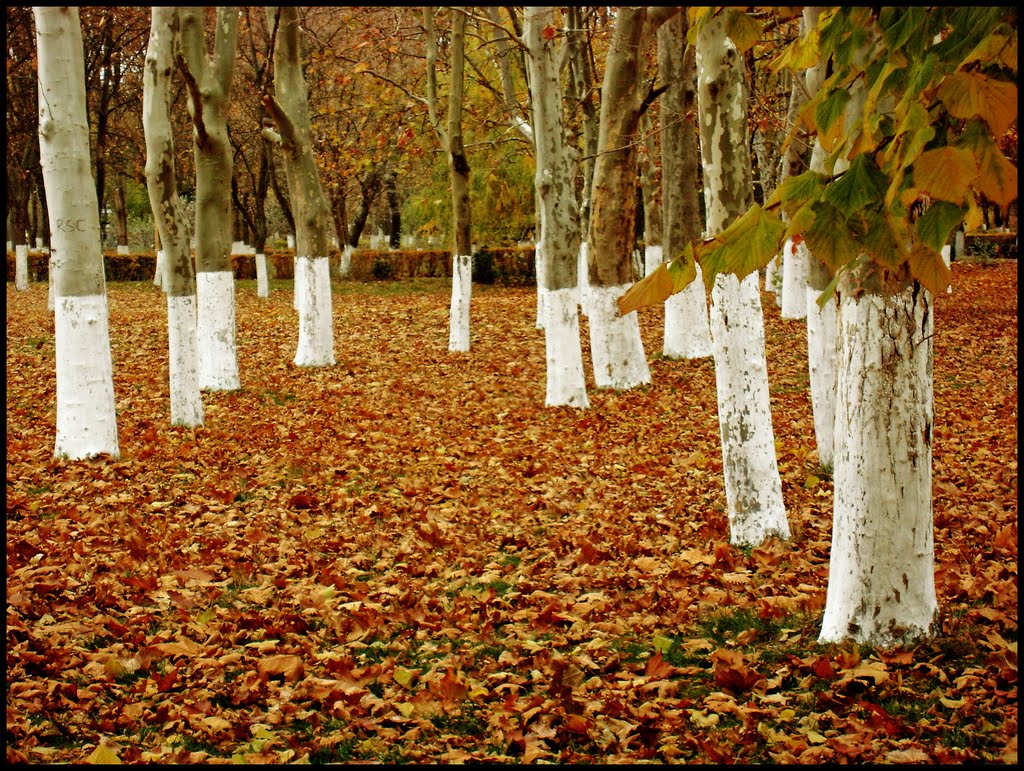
[[407, 558]]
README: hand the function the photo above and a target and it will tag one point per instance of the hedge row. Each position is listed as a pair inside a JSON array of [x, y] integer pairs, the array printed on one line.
[[511, 266]]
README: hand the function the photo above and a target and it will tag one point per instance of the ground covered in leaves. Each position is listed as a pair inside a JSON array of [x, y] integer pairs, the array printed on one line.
[[408, 558]]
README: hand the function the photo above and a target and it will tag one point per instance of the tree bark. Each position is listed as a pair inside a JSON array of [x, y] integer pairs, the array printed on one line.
[[458, 166], [615, 344], [290, 111], [752, 483], [687, 329], [208, 78], [177, 276], [86, 413], [559, 241]]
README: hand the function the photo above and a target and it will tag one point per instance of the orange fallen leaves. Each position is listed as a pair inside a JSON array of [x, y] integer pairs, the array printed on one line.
[[407, 557]]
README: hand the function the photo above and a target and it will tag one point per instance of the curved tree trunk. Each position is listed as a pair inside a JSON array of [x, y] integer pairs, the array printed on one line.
[[687, 328], [752, 483], [177, 276], [209, 84], [290, 111], [615, 345], [86, 413], [559, 241]]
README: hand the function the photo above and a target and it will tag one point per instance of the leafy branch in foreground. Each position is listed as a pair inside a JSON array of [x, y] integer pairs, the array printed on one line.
[[940, 92]]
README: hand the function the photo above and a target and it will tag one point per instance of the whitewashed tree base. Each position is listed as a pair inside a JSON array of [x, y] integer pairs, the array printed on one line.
[[822, 347], [583, 280], [687, 326], [462, 289], [186, 396], [161, 266], [653, 257], [881, 587], [86, 412], [794, 281], [262, 284], [123, 249], [346, 262], [21, 267], [615, 345], [218, 358], [316, 327], [753, 487], [566, 380]]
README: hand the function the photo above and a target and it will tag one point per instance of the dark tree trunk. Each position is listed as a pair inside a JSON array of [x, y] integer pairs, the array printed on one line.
[[395, 210]]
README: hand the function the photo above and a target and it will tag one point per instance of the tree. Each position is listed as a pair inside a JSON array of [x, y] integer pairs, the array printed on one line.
[[178, 278], [559, 223], [289, 109], [86, 413], [687, 330], [208, 78], [752, 483], [452, 143], [615, 345], [915, 104]]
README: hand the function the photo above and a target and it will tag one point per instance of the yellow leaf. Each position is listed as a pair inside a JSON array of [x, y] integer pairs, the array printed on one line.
[[811, 482], [973, 94], [929, 268], [662, 643], [405, 676], [945, 173], [406, 709], [656, 287], [104, 754]]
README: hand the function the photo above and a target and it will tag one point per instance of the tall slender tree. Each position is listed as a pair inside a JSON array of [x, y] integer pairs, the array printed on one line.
[[753, 486], [559, 222], [177, 275], [289, 109], [208, 77], [687, 328], [451, 141], [86, 412]]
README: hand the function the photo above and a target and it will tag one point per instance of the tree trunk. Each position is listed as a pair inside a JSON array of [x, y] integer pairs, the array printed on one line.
[[615, 344], [458, 166], [559, 241], [209, 83], [290, 111], [752, 483], [687, 329], [177, 276], [881, 587], [86, 413], [120, 215], [394, 210]]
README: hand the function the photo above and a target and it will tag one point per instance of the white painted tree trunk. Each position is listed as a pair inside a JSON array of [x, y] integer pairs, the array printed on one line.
[[316, 331], [881, 586], [86, 411], [186, 395], [558, 246], [21, 267], [653, 257], [773, 279], [346, 261], [538, 265], [752, 483], [566, 380], [218, 357], [615, 344], [822, 347], [753, 487], [583, 279], [794, 280], [262, 284], [174, 262], [462, 289], [687, 326], [123, 249]]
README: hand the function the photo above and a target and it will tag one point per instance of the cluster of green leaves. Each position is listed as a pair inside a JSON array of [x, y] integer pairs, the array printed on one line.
[[939, 90]]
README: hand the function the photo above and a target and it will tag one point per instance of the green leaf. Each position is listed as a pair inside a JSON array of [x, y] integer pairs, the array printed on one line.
[[749, 243], [829, 238], [830, 109], [860, 185], [796, 192], [936, 224]]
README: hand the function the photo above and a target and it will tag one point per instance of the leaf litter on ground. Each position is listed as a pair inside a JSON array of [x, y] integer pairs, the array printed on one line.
[[407, 558]]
